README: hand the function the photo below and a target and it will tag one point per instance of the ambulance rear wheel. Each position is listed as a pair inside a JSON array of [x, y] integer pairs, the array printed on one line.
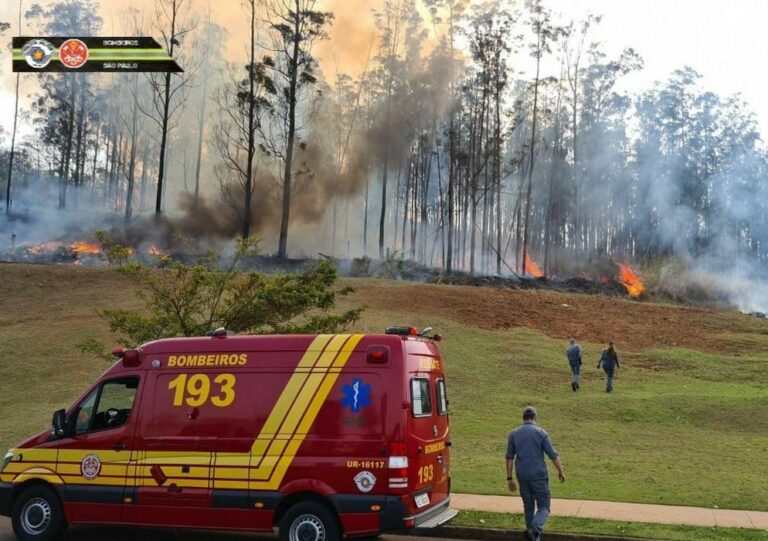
[[309, 521], [37, 515]]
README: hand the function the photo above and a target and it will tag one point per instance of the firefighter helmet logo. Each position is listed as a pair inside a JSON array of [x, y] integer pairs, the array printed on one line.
[[365, 481], [38, 53], [90, 467], [73, 53]]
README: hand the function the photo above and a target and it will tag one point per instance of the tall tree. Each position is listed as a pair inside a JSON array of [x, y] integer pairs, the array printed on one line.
[[295, 26], [209, 48], [5, 26], [170, 91], [545, 34], [242, 102]]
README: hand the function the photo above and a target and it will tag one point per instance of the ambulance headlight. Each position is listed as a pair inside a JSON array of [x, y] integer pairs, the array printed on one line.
[[6, 460]]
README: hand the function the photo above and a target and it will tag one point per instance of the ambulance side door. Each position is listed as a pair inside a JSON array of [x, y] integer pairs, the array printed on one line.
[[94, 460], [173, 466]]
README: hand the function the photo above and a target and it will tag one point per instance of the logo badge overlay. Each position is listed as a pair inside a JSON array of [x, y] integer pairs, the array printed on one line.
[[38, 53], [356, 395], [73, 53], [365, 481], [90, 467]]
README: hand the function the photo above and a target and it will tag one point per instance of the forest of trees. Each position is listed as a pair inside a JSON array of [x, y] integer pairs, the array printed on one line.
[[474, 138]]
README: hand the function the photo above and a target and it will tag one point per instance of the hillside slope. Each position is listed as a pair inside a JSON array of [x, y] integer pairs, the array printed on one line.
[[688, 423]]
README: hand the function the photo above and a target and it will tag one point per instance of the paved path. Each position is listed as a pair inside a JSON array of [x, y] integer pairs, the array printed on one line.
[[627, 512]]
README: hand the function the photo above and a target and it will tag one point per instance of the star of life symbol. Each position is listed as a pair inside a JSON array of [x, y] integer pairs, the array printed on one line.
[[356, 395], [90, 467]]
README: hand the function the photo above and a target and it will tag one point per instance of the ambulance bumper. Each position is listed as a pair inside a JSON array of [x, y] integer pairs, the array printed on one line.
[[6, 491], [437, 516]]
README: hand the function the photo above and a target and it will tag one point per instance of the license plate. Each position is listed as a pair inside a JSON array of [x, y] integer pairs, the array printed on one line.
[[421, 500]]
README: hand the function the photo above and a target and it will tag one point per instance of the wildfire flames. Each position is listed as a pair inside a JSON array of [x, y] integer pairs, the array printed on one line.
[[631, 280], [72, 252], [531, 268], [44, 247], [85, 248]]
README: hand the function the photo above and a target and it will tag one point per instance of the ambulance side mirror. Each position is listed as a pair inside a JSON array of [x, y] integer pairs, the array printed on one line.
[[60, 423]]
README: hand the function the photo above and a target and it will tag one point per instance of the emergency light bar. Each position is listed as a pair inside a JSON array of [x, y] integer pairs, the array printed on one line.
[[413, 331], [402, 331]]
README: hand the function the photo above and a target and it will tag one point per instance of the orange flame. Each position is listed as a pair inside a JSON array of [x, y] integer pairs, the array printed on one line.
[[630, 280], [531, 267], [83, 247], [155, 251], [44, 247]]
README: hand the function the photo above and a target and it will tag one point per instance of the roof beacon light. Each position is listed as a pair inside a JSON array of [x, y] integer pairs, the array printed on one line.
[[402, 331], [130, 357]]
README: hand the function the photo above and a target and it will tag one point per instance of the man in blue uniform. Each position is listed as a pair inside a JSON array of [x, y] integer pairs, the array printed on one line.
[[574, 359], [526, 447]]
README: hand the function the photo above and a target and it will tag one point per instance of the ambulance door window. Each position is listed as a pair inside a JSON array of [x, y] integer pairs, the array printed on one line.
[[84, 413], [115, 403], [421, 399]]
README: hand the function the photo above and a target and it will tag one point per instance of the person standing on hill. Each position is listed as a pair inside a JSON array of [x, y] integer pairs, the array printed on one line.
[[609, 360], [526, 447], [573, 353]]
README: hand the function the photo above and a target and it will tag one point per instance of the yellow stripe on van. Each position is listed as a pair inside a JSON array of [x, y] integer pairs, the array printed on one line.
[[266, 466], [287, 397], [311, 414]]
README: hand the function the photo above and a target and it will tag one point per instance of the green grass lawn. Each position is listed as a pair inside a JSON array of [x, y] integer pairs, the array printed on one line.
[[611, 528], [683, 427]]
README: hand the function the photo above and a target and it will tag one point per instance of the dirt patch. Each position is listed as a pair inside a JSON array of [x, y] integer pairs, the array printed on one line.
[[593, 318], [33, 294]]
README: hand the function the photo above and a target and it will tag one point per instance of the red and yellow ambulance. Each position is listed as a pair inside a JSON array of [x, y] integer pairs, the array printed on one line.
[[322, 436]]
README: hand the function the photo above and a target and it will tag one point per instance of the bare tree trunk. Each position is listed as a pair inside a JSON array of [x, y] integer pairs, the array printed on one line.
[[64, 179], [144, 167], [132, 158], [451, 151], [526, 226], [200, 128], [166, 112], [13, 137], [251, 133], [497, 174], [292, 89]]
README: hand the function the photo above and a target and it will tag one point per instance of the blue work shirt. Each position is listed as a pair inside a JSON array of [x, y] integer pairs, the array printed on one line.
[[527, 444], [574, 354]]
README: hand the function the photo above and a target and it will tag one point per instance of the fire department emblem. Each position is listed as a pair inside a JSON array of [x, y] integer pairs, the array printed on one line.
[[90, 467], [38, 53], [73, 53], [365, 481]]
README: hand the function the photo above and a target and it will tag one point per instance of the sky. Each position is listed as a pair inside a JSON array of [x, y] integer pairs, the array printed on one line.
[[721, 40]]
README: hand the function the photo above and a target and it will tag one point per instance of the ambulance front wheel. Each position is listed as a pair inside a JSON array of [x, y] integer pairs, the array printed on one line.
[[37, 515], [309, 521]]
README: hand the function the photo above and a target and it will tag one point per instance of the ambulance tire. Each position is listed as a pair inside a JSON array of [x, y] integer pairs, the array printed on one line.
[[309, 521], [37, 515]]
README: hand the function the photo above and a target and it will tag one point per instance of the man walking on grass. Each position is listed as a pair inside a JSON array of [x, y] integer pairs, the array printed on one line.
[[573, 353], [526, 447]]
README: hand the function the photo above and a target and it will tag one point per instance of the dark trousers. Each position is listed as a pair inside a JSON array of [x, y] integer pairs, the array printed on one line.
[[536, 502]]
